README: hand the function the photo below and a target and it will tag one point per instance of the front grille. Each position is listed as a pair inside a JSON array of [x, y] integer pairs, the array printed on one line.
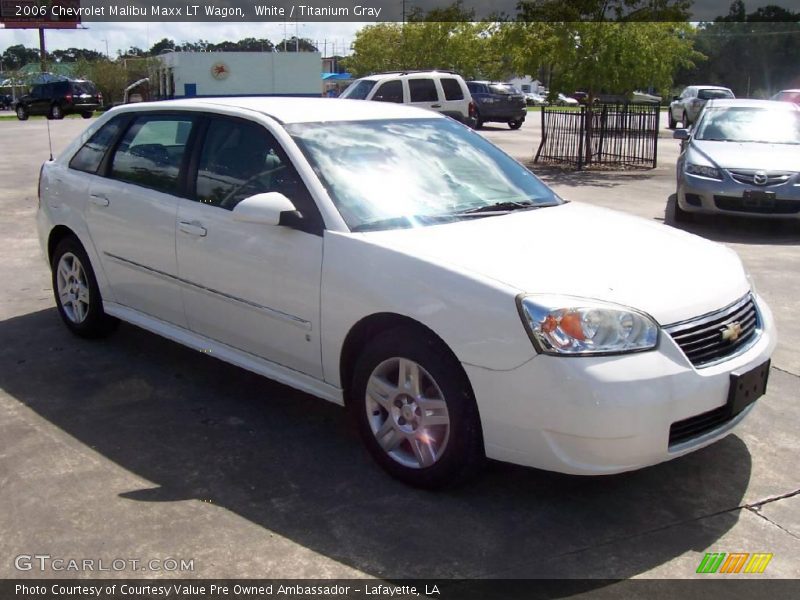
[[774, 207], [715, 336], [747, 176], [693, 427]]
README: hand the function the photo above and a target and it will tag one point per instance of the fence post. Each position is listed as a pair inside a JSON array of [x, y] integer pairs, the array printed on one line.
[[581, 136], [544, 139], [655, 135]]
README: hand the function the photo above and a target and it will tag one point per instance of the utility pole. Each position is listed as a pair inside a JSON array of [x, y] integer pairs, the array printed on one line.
[[42, 51]]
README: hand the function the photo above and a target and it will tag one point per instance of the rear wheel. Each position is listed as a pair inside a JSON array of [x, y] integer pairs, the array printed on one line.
[[685, 121], [22, 114], [76, 292], [671, 122], [516, 124], [87, 114], [415, 411]]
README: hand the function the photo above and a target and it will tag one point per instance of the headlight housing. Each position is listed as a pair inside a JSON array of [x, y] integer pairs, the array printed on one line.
[[566, 325], [703, 171]]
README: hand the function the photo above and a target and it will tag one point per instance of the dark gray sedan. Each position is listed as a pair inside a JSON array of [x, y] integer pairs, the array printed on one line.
[[742, 158]]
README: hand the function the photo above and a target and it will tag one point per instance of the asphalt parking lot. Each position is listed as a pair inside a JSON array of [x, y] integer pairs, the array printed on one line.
[[138, 448]]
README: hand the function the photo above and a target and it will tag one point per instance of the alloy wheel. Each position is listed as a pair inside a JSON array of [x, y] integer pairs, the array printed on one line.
[[73, 288]]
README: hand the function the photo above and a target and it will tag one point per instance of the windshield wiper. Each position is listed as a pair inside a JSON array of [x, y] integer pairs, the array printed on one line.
[[499, 207]]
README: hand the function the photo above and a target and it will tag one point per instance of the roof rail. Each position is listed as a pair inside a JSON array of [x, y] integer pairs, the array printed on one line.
[[411, 71]]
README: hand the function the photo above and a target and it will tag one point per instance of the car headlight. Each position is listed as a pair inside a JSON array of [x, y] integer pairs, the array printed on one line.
[[703, 171], [565, 325]]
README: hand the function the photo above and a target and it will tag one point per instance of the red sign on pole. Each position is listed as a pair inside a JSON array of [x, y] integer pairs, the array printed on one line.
[[40, 14]]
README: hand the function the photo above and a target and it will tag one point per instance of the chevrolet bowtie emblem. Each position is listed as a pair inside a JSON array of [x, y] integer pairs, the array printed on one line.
[[732, 332]]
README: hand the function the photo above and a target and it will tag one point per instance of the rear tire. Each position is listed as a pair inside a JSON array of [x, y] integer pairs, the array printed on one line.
[[671, 122], [514, 124], [22, 113], [76, 292], [415, 411], [685, 121], [86, 115]]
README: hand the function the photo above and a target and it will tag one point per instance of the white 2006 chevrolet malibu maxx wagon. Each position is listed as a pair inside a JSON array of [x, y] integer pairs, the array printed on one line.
[[391, 259]]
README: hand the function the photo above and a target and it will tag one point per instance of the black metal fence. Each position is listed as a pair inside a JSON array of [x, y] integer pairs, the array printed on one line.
[[611, 134]]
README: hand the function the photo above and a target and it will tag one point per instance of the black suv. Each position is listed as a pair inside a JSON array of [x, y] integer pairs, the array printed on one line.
[[58, 98], [498, 102]]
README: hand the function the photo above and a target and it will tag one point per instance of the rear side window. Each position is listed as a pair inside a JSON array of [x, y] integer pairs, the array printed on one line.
[[476, 88], [711, 94], [89, 157], [151, 152], [83, 87], [452, 89], [422, 90], [390, 91]]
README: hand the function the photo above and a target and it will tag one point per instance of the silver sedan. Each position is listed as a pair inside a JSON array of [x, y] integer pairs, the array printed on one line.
[[742, 158]]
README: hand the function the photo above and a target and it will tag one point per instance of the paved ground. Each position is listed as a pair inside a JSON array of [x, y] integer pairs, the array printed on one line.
[[137, 448]]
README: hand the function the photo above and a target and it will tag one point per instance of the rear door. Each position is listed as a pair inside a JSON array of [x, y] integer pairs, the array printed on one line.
[[455, 102], [131, 213], [422, 92]]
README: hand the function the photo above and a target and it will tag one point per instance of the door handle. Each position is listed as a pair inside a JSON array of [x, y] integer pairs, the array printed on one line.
[[193, 228], [98, 200], [436, 106]]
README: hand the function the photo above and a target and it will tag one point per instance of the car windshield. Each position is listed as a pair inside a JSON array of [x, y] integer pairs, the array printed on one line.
[[358, 90], [712, 94], [749, 124], [390, 174]]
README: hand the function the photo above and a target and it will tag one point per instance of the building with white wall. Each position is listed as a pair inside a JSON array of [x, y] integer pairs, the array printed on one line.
[[190, 74]]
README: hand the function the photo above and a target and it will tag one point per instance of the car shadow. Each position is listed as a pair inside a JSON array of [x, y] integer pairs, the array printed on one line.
[[735, 229], [201, 429], [555, 175]]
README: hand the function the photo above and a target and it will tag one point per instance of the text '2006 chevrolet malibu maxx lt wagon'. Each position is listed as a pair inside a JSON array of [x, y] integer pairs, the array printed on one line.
[[392, 260]]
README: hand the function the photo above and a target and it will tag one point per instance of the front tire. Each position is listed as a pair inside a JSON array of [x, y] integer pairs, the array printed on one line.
[[685, 121], [415, 410], [680, 215], [56, 112], [671, 122], [76, 292], [22, 114]]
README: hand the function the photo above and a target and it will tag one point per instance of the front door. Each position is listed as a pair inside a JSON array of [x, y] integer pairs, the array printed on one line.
[[251, 286]]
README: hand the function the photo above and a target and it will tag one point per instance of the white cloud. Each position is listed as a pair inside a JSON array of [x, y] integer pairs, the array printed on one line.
[[121, 36]]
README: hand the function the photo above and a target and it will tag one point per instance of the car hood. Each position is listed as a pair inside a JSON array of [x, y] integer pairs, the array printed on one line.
[[585, 251], [740, 155]]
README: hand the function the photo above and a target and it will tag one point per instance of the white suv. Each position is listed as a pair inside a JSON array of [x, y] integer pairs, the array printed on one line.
[[443, 91]]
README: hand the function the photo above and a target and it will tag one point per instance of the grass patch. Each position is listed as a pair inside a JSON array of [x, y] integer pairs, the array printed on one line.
[[13, 117]]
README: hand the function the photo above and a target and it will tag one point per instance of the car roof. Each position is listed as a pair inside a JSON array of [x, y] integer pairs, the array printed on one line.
[[382, 76], [744, 103], [708, 87], [793, 91], [293, 109]]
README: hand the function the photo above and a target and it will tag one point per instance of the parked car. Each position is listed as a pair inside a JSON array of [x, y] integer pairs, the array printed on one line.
[[442, 91], [686, 107], [534, 99], [787, 96], [56, 99], [5, 101], [563, 100], [498, 102], [581, 97], [389, 259], [742, 158]]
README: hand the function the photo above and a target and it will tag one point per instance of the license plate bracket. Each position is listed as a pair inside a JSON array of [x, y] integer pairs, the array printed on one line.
[[746, 388], [758, 199]]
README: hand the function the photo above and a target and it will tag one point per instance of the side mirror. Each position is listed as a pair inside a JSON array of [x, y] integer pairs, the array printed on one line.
[[266, 209], [676, 97], [680, 134]]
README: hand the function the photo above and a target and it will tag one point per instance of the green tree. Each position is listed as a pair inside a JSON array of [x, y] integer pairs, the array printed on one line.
[[294, 44], [110, 77], [17, 56]]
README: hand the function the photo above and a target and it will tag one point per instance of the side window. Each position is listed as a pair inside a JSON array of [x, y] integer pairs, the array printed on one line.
[[240, 159], [151, 152], [452, 89], [422, 90], [390, 91], [89, 157]]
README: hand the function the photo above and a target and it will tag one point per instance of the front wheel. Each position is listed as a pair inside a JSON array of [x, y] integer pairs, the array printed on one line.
[[415, 410], [671, 122], [685, 121], [76, 292], [56, 112], [22, 114], [516, 124]]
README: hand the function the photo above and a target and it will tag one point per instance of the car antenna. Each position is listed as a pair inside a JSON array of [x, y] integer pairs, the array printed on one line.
[[49, 139]]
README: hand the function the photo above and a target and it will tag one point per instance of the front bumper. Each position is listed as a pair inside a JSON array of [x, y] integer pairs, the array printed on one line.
[[709, 196], [606, 414]]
